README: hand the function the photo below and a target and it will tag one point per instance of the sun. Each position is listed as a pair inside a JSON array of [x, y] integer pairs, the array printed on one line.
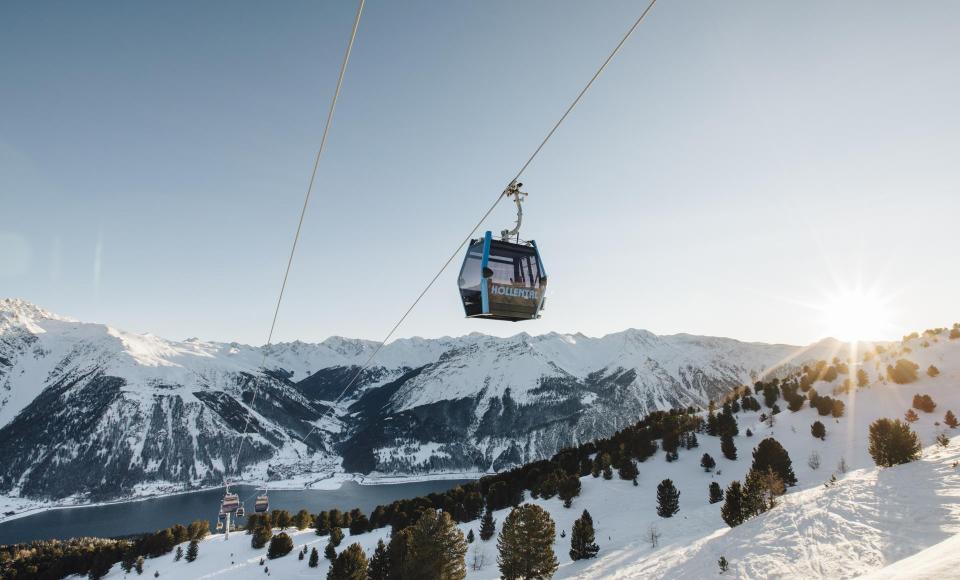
[[857, 314]]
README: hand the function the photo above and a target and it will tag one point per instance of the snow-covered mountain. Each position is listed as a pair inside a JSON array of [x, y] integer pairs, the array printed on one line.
[[901, 522], [89, 411]]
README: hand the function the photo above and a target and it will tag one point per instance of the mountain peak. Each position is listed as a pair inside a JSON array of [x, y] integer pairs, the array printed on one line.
[[20, 308]]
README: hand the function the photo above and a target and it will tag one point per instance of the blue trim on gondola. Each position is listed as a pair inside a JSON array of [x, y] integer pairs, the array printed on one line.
[[485, 282]]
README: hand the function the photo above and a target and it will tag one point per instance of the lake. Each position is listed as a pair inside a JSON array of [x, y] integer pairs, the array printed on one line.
[[148, 515]]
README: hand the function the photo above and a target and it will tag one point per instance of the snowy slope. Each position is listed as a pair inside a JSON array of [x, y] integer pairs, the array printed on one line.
[[901, 522]]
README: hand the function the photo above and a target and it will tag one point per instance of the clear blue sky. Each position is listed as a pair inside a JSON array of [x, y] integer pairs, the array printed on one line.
[[736, 163]]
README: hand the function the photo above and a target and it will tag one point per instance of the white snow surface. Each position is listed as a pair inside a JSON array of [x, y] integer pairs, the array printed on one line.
[[900, 522]]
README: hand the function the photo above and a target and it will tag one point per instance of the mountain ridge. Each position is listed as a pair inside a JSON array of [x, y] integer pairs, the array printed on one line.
[[133, 410]]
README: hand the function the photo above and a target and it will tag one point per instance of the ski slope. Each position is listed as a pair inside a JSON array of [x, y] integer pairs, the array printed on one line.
[[901, 522]]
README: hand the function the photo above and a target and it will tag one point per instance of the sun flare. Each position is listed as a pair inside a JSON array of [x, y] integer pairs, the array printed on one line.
[[852, 315]]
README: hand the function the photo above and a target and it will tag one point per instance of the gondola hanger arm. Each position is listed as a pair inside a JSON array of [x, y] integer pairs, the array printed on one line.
[[513, 190]]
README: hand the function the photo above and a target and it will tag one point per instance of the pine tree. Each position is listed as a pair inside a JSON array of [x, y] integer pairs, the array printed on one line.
[[771, 454], [193, 550], [261, 536], [302, 520], [569, 488], [178, 555], [628, 470], [351, 564], [911, 416], [437, 546], [138, 566], [322, 523], [707, 462], [280, 545], [724, 565], [892, 443], [668, 499], [129, 559], [470, 536], [607, 473], [716, 494], [379, 568], [330, 551], [950, 420], [732, 510], [314, 560], [818, 430], [582, 539], [760, 491], [488, 525], [525, 544], [728, 448], [400, 565], [336, 536]]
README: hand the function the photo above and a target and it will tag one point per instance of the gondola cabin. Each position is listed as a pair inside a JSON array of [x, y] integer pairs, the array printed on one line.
[[230, 504], [502, 280], [262, 504]]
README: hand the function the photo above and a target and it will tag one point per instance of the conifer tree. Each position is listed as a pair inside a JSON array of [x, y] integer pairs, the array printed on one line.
[[280, 545], [728, 448], [488, 525], [330, 551], [138, 566], [760, 491], [818, 430], [379, 568], [950, 420], [193, 550], [302, 520], [732, 509], [336, 536], [178, 556], [771, 454], [608, 473], [628, 470], [707, 462], [668, 499], [724, 565], [892, 443], [322, 523], [525, 544], [351, 564], [129, 559], [470, 536], [716, 494], [582, 538], [400, 565], [261, 536], [569, 489], [314, 560], [437, 546], [911, 416]]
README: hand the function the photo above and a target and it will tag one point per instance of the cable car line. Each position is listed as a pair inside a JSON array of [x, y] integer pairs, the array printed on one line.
[[512, 186], [303, 212]]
